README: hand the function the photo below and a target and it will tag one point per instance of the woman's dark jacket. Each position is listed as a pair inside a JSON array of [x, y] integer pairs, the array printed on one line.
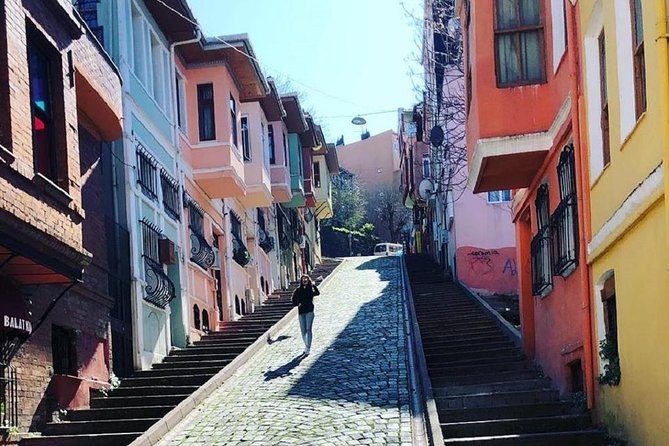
[[303, 298]]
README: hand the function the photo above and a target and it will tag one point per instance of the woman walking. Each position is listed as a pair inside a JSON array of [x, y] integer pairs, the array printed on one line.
[[303, 299]]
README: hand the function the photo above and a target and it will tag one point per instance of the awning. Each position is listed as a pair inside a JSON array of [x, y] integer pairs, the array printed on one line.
[[15, 317]]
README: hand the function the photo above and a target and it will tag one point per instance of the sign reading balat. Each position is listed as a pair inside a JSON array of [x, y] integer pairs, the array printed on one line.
[[17, 323]]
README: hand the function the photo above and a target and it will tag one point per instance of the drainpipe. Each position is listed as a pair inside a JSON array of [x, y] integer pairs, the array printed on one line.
[[663, 68], [583, 208], [173, 83]]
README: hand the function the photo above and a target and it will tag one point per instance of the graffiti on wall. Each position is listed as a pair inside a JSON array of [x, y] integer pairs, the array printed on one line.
[[492, 270]]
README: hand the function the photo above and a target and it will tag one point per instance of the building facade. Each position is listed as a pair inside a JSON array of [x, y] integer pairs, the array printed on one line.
[[540, 155], [62, 102], [625, 99]]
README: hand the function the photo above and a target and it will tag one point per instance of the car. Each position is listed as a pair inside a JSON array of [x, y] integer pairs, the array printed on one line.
[[388, 249]]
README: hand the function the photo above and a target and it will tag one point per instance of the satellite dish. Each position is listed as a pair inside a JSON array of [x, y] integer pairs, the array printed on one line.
[[436, 136], [425, 189], [359, 120]]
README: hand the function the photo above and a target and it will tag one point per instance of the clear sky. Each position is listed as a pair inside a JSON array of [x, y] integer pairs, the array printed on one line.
[[348, 57]]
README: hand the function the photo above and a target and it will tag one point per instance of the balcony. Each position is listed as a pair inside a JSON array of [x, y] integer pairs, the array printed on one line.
[[258, 185], [310, 198], [159, 288], [297, 188], [201, 252], [509, 158], [281, 190], [218, 169], [323, 206]]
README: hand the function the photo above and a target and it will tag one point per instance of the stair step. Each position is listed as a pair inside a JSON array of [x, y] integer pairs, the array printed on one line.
[[134, 401], [483, 378], [479, 369], [489, 399], [194, 365], [99, 426], [118, 413], [590, 437], [502, 386], [186, 378], [152, 390], [549, 409], [200, 358], [119, 439], [176, 372], [561, 423]]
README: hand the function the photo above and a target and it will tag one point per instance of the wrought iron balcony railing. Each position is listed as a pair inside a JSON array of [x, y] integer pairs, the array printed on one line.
[[265, 241], [201, 253], [159, 288]]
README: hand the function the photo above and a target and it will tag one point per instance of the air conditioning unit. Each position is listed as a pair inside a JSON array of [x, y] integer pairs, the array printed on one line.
[[167, 253]]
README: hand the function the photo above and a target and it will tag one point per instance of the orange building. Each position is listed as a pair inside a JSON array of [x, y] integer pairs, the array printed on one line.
[[523, 133]]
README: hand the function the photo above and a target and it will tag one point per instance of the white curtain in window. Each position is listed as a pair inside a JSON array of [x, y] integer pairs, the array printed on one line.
[[507, 51]]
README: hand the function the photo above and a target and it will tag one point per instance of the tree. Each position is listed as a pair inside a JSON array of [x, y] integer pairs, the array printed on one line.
[[386, 211], [348, 201]]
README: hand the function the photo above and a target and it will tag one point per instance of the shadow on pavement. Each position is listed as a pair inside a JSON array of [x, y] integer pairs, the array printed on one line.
[[361, 364], [284, 370], [279, 339]]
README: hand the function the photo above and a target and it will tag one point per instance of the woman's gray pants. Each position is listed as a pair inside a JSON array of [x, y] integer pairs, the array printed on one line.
[[306, 321]]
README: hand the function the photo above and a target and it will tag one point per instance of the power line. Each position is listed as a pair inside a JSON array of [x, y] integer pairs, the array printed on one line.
[[228, 44], [394, 110]]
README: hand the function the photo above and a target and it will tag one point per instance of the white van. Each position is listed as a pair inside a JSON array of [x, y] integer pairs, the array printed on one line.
[[388, 249]]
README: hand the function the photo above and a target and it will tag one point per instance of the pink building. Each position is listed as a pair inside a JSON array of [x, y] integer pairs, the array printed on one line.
[[375, 160]]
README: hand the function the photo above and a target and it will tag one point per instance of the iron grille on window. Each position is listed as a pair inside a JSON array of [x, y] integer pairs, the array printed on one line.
[[201, 252], [159, 288], [146, 172], [564, 221], [542, 277], [170, 188], [9, 397]]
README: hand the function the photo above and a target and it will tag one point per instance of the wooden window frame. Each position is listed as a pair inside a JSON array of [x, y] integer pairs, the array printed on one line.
[[246, 138], [604, 100], [608, 296], [639, 56], [541, 28], [205, 106]]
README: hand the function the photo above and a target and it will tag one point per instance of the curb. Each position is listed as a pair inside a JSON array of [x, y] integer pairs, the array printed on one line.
[[505, 325], [426, 429], [157, 431]]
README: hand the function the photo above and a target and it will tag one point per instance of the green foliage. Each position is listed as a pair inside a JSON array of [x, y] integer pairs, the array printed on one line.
[[608, 351], [348, 201]]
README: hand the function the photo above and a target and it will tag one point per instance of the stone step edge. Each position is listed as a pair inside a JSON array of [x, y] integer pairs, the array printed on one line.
[[537, 436], [156, 432]]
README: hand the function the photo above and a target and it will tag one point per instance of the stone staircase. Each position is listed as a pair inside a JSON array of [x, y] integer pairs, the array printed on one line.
[[486, 391], [143, 399]]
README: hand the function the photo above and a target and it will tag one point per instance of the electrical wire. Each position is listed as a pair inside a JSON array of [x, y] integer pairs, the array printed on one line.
[[248, 56]]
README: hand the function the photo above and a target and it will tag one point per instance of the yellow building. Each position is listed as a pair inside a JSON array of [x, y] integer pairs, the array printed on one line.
[[625, 98]]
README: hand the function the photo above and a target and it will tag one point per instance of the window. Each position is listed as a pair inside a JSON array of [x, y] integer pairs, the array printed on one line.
[[196, 317], [170, 188], [205, 321], [270, 138], [246, 141], [317, 174], [565, 218], [606, 147], [139, 43], [542, 277], [150, 238], [235, 226], [285, 150], [233, 121], [64, 351], [157, 68], [41, 70], [180, 95], [608, 294], [639, 57], [499, 196], [519, 42], [196, 214], [426, 166], [205, 112], [146, 172], [263, 143], [559, 20], [89, 12]]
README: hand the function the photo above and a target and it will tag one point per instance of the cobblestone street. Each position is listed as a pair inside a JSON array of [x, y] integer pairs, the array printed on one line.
[[351, 390]]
